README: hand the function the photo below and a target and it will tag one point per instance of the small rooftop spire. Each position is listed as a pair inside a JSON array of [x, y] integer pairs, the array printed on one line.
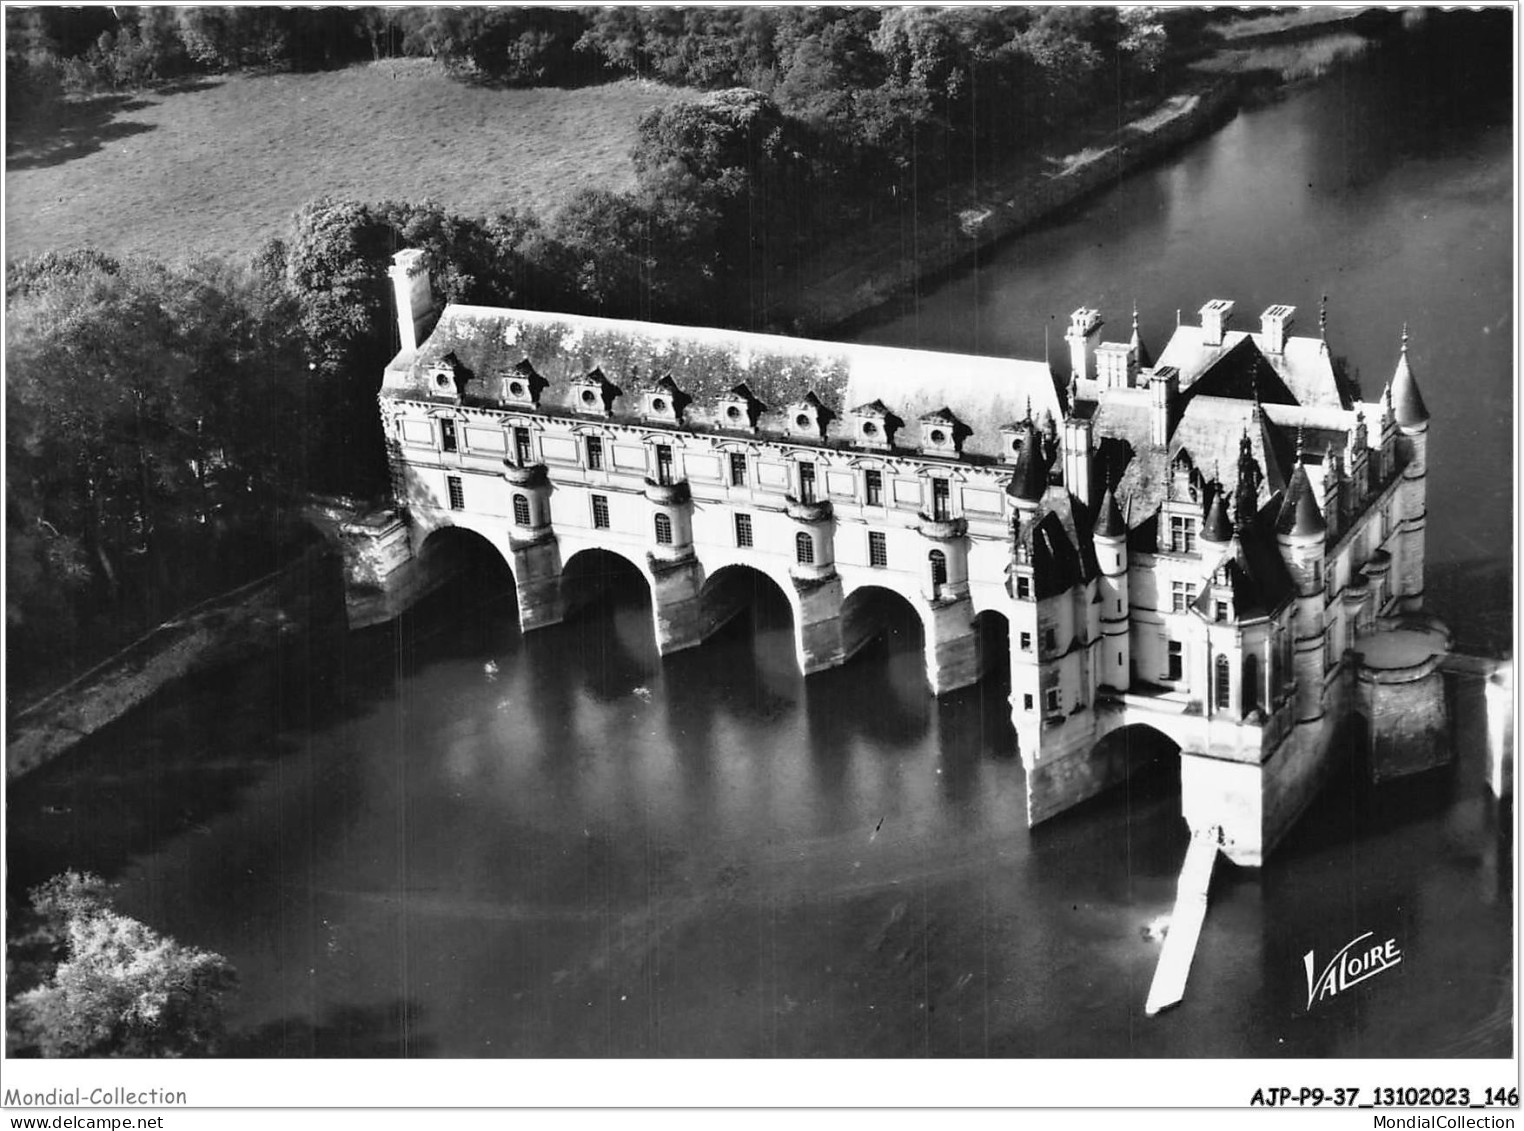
[[1301, 443], [1407, 401]]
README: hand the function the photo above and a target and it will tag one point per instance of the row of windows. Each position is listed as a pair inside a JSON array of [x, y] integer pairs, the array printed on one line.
[[873, 481], [449, 441]]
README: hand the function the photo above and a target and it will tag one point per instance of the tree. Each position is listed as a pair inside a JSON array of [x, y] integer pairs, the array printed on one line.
[[148, 409], [518, 46], [118, 988]]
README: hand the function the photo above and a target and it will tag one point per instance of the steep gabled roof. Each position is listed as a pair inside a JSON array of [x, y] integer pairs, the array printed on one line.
[[1256, 574], [707, 363], [1241, 373], [1061, 544]]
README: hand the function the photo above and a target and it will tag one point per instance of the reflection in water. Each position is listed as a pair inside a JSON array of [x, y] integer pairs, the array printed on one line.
[[450, 839]]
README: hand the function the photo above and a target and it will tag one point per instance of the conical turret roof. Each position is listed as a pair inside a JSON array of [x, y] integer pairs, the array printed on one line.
[[1299, 515], [1407, 401], [1030, 480], [1109, 522], [1218, 528]]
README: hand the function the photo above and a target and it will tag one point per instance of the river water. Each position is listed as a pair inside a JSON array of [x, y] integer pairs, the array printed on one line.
[[445, 838]]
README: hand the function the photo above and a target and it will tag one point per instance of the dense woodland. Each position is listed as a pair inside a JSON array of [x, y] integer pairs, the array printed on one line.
[[163, 416]]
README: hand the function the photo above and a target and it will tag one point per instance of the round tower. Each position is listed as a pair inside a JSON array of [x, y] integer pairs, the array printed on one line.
[[1412, 418], [1116, 611], [1027, 486], [1302, 534]]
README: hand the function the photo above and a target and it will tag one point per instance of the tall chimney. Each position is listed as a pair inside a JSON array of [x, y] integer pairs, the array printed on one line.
[[1273, 324], [1165, 385], [415, 298], [1215, 316], [1083, 333]]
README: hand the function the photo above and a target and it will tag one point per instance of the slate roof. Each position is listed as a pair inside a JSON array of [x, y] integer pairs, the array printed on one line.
[[1061, 544], [1305, 366], [1299, 513], [983, 392], [1407, 401], [1256, 575]]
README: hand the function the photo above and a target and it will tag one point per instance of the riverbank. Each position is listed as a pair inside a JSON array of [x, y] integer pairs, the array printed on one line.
[[281, 606], [853, 278], [862, 272]]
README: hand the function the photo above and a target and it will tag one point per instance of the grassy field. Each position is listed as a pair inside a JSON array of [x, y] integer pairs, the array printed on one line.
[[219, 168]]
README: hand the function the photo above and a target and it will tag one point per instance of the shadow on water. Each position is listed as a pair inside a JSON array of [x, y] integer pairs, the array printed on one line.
[[388, 1030]]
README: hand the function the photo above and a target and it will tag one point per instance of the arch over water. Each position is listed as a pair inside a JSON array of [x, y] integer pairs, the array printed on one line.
[[1133, 749], [596, 575], [874, 613], [731, 590], [992, 630], [451, 551]]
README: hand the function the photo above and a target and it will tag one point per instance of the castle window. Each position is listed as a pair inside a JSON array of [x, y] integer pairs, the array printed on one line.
[[663, 530], [804, 548], [1049, 640], [1222, 611], [938, 569], [520, 510], [457, 493], [600, 512], [1182, 596], [521, 446], [1026, 702], [594, 453], [1026, 641], [878, 549], [743, 530], [664, 463], [1251, 684], [1176, 670], [1224, 689], [447, 439], [939, 506], [737, 469], [1182, 534], [873, 488], [806, 482], [1024, 587], [1054, 700]]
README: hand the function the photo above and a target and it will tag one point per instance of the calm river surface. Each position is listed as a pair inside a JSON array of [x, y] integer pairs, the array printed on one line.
[[447, 839]]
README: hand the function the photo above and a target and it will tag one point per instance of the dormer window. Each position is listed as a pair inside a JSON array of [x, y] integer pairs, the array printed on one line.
[[595, 393], [523, 385], [740, 409], [942, 433], [1010, 442], [666, 402], [873, 426], [450, 376], [808, 418], [1182, 534]]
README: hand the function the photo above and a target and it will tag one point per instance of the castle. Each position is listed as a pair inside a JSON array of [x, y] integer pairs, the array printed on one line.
[[1224, 544]]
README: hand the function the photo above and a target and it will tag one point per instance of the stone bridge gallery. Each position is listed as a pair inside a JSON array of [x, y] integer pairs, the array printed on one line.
[[1224, 544]]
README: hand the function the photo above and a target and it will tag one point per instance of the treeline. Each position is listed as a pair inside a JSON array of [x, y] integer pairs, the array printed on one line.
[[152, 418], [907, 87]]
